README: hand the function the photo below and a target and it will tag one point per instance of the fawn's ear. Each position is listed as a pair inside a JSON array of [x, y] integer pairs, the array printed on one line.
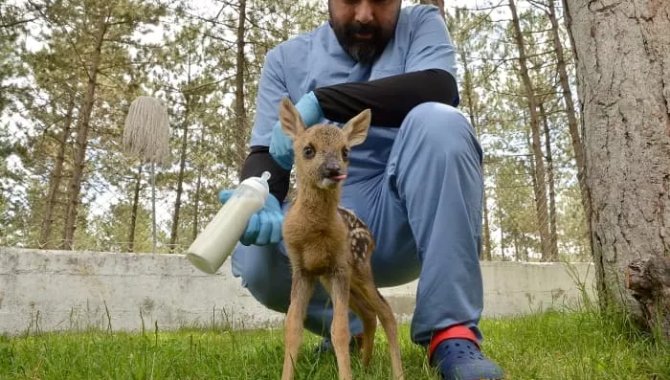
[[356, 129], [289, 117]]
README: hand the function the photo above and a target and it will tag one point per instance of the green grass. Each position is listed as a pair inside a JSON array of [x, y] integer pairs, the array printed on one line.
[[552, 345]]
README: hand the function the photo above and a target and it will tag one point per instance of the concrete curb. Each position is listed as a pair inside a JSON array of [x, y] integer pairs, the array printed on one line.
[[62, 290]]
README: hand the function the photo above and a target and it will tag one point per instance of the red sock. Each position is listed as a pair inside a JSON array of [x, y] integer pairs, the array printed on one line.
[[451, 332]]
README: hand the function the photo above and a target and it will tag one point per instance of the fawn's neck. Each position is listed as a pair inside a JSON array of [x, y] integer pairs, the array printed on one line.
[[322, 203]]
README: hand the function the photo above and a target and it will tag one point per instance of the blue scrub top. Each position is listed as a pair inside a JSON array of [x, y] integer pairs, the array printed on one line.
[[316, 59]]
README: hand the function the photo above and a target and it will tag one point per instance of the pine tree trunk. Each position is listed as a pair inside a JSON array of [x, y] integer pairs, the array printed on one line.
[[500, 221], [196, 206], [487, 241], [180, 178], [573, 123], [536, 190], [517, 252], [552, 185], [623, 77], [240, 109], [133, 212], [198, 190], [82, 137], [56, 178], [539, 176]]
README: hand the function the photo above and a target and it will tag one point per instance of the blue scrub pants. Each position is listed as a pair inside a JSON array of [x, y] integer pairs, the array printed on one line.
[[419, 189]]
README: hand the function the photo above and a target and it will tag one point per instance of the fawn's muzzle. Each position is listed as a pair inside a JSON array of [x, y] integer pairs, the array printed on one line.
[[333, 171]]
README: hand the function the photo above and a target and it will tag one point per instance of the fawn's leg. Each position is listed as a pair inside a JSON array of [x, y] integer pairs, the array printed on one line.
[[301, 290], [387, 319], [366, 313], [339, 330]]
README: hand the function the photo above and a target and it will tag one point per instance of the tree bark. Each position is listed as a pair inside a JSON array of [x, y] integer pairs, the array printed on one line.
[[56, 178], [539, 176], [649, 281], [81, 142], [623, 77]]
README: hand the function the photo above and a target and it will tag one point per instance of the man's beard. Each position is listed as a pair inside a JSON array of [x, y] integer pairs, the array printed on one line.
[[363, 51]]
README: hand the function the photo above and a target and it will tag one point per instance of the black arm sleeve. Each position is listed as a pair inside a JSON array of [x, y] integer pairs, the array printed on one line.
[[260, 160], [390, 99]]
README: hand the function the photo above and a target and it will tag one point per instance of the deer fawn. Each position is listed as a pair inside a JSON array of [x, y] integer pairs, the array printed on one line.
[[330, 244]]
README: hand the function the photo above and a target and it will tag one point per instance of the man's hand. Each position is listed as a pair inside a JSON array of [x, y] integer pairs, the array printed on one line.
[[281, 146], [264, 226]]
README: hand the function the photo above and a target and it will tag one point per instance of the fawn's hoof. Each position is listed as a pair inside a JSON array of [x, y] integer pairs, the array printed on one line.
[[326, 345], [461, 359]]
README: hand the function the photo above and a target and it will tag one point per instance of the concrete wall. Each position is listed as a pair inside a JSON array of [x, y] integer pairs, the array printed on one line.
[[57, 290]]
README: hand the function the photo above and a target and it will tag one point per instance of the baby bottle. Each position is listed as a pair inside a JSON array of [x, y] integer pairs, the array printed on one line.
[[216, 242]]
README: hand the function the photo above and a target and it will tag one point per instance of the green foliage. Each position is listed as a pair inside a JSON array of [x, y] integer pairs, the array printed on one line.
[[112, 235], [13, 21], [515, 214], [185, 55]]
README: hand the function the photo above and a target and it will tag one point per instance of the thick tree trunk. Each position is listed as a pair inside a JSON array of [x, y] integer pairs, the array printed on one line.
[[55, 179], [81, 142], [623, 76], [540, 176], [649, 280]]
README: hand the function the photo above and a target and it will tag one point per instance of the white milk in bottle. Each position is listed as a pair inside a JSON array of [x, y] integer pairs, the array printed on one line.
[[217, 241]]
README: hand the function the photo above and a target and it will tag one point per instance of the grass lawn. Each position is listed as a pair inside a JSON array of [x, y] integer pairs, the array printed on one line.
[[553, 345]]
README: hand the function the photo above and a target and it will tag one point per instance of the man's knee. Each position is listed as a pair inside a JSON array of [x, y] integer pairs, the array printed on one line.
[[440, 127]]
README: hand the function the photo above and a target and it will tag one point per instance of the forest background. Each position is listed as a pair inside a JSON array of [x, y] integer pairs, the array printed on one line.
[[69, 70]]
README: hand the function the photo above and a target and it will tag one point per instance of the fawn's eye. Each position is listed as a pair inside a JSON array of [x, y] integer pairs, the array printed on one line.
[[308, 152], [345, 154]]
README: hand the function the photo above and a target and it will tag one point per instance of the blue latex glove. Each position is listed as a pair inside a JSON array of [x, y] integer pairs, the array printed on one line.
[[265, 225], [281, 146]]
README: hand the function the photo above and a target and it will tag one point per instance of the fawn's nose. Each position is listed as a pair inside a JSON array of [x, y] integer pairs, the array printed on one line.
[[331, 169]]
